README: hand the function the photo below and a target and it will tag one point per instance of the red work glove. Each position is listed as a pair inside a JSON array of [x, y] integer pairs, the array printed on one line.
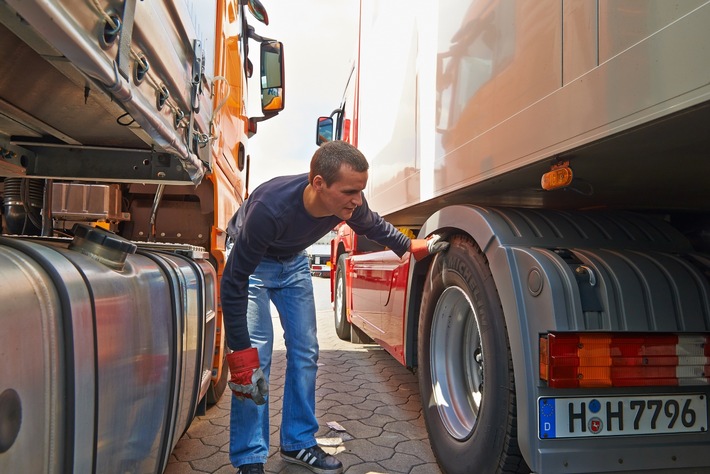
[[421, 248], [247, 379]]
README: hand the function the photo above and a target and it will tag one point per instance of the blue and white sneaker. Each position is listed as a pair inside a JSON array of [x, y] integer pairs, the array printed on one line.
[[315, 459]]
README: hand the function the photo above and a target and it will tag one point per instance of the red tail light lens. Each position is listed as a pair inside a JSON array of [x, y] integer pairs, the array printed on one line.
[[570, 360]]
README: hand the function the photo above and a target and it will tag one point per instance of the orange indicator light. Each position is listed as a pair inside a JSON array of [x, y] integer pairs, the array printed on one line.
[[557, 178]]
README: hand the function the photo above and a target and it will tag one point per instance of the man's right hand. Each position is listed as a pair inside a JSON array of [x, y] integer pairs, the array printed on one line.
[[247, 380], [421, 248]]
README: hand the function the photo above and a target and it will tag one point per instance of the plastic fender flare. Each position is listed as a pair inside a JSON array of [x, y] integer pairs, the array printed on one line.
[[490, 231]]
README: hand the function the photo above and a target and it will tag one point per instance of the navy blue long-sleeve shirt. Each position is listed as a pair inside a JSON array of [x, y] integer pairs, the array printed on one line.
[[273, 221]]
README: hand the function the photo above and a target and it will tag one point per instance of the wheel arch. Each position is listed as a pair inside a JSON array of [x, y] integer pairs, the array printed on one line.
[[485, 226], [452, 220]]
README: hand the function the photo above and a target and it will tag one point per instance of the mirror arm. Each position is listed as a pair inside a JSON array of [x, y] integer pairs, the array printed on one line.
[[336, 111], [251, 33], [255, 120]]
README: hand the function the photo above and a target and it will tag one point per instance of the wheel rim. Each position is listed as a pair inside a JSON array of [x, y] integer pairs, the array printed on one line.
[[456, 362], [339, 306]]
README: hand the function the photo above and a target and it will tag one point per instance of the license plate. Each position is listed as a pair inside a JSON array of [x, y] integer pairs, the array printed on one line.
[[565, 417]]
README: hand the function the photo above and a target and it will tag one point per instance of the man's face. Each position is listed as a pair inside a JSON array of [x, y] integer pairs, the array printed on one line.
[[343, 195]]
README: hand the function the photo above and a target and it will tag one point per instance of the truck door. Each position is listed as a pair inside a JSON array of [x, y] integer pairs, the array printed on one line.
[[370, 284]]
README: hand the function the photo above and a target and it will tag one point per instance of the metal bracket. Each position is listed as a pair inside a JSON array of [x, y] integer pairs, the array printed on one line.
[[124, 42], [105, 164]]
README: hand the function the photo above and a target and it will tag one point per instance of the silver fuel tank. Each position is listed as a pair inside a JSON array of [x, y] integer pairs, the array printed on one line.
[[105, 352]]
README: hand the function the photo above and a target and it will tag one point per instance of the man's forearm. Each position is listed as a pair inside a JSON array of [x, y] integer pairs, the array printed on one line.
[[234, 315]]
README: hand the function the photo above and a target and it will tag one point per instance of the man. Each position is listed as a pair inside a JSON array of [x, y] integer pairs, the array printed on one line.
[[270, 233]]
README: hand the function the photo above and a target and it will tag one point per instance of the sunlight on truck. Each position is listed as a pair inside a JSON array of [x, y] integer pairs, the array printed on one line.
[[561, 149]]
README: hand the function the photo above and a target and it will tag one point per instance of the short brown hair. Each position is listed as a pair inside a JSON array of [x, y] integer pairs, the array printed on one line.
[[330, 156]]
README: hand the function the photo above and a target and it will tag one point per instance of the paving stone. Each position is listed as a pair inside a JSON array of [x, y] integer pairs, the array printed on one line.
[[388, 439], [418, 448], [400, 462], [366, 468], [223, 422], [218, 411], [202, 428], [391, 397], [176, 467], [335, 376], [219, 439], [190, 449], [409, 429], [344, 398], [425, 469], [369, 451], [350, 412], [325, 404], [378, 420], [360, 392], [413, 404], [369, 404], [360, 430], [398, 412], [212, 463]]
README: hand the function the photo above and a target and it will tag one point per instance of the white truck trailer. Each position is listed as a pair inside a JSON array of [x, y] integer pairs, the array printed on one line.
[[563, 149]]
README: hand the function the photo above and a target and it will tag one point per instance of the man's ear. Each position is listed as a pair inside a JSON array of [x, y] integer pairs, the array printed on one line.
[[319, 182]]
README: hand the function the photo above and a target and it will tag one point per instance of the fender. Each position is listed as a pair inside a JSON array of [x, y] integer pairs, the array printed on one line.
[[570, 271]]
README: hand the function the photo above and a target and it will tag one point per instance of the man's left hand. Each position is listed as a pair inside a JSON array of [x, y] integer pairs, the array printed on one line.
[[247, 379], [421, 248]]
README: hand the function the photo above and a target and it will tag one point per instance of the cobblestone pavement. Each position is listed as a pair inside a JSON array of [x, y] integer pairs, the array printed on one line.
[[373, 400]]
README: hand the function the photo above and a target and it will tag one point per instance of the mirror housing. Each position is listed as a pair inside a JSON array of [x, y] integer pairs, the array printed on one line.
[[258, 11], [272, 77]]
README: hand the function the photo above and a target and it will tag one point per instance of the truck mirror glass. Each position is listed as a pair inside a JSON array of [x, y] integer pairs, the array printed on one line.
[[272, 77], [325, 130]]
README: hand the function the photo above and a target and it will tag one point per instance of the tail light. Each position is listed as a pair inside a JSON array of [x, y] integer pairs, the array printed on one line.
[[569, 360]]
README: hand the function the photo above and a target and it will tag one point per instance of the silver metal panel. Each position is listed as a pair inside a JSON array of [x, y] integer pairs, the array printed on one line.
[[108, 377], [502, 110], [70, 38], [49, 99], [86, 202], [30, 322], [388, 63], [497, 58], [623, 23], [134, 324], [209, 291], [190, 338], [580, 28], [165, 33], [44, 299]]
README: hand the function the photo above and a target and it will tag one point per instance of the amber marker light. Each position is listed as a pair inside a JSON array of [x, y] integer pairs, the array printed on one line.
[[559, 177]]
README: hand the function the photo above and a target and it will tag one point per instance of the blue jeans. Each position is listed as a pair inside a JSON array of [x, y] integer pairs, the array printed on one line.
[[288, 284]]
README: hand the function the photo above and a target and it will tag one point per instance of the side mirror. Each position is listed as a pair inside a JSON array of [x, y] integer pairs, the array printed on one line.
[[324, 131], [272, 77]]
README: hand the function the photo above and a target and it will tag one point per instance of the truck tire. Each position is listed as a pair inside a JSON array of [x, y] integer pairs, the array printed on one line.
[[215, 391], [342, 326], [465, 368]]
